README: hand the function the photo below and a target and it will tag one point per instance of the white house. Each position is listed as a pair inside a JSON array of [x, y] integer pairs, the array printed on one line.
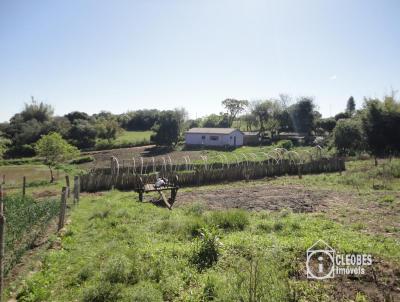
[[214, 137]]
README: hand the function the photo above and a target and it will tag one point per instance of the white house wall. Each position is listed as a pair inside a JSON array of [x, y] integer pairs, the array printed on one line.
[[223, 139]]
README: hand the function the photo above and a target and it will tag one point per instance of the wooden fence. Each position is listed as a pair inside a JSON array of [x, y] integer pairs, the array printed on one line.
[[128, 180]]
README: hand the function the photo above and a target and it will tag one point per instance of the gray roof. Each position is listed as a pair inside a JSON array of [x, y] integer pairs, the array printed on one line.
[[212, 130], [251, 133]]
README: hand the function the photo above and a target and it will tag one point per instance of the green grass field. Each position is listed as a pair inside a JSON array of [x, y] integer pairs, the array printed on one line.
[[117, 249], [125, 139], [133, 136]]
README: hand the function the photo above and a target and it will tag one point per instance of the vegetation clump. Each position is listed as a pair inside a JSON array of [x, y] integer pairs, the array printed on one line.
[[207, 249], [230, 220]]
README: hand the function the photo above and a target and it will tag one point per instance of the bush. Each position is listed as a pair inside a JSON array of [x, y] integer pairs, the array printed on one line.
[[101, 292], [286, 144], [20, 161], [117, 270], [144, 291], [85, 273], [37, 183], [234, 220], [82, 160], [210, 291], [259, 278], [183, 228], [207, 250]]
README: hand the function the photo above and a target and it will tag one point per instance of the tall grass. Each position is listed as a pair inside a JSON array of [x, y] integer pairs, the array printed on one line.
[[26, 218]]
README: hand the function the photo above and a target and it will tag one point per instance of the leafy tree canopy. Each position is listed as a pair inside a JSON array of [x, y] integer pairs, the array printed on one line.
[[38, 111], [234, 107], [54, 150], [168, 128], [347, 136]]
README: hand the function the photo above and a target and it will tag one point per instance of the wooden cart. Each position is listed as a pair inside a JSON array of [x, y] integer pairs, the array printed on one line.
[[172, 187]]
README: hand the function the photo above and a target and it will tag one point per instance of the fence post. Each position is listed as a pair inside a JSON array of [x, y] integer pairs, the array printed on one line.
[[299, 170], [2, 243], [76, 189], [23, 186], [68, 186], [63, 206]]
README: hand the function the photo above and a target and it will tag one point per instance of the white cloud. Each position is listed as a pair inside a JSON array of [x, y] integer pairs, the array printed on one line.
[[333, 77]]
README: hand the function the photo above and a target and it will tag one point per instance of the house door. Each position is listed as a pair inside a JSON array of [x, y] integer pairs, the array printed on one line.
[[234, 141]]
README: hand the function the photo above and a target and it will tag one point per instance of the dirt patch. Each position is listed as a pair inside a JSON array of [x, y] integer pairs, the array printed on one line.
[[43, 194], [363, 213], [125, 155], [381, 282], [257, 198]]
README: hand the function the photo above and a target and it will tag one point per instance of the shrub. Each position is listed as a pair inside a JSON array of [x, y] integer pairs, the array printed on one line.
[[230, 219], [101, 292], [258, 278], [100, 214], [82, 160], [196, 209], [119, 270], [210, 289], [278, 226], [207, 250], [183, 228], [285, 143], [37, 183], [144, 291], [388, 198], [265, 227], [85, 273]]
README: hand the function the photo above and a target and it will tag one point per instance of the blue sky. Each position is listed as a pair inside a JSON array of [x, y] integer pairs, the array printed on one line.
[[127, 55]]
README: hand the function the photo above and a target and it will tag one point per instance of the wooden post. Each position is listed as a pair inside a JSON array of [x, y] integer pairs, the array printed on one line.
[[299, 170], [2, 243], [23, 186], [76, 189], [140, 195], [63, 206], [67, 184], [4, 179]]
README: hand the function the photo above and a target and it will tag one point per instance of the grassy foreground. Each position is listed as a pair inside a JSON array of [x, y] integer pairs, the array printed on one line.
[[117, 249]]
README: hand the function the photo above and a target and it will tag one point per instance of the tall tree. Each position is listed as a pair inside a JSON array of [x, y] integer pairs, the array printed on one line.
[[107, 128], [4, 143], [302, 114], [82, 134], [350, 106], [265, 113], [234, 107], [54, 150], [250, 120], [381, 125], [37, 110], [168, 128], [347, 136]]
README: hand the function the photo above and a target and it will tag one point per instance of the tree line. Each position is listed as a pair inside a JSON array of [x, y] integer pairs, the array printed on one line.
[[19, 135], [374, 128]]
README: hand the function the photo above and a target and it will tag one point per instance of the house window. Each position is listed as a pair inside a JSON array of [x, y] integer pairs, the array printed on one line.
[[203, 137], [231, 137], [214, 138]]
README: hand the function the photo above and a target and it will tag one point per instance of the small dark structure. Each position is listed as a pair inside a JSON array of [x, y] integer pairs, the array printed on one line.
[[163, 201], [251, 138]]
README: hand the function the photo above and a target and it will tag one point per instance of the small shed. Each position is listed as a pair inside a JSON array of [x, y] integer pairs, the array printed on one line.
[[251, 138], [214, 137]]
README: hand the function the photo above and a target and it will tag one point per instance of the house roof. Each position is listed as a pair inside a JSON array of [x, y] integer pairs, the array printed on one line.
[[212, 130], [249, 133]]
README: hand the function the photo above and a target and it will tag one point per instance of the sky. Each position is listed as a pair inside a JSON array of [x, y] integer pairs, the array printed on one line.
[[127, 55]]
